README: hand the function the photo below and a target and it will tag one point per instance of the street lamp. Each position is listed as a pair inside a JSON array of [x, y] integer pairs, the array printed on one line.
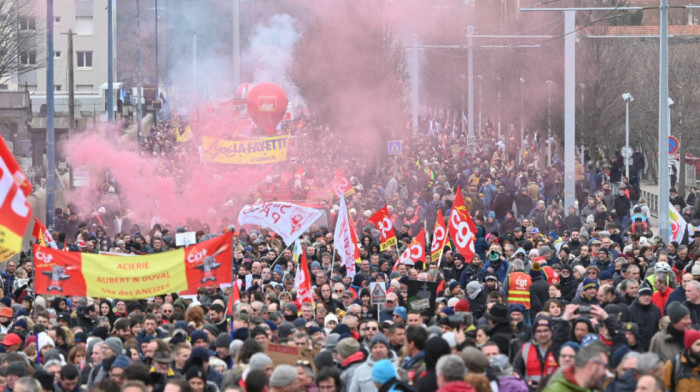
[[627, 151], [549, 122]]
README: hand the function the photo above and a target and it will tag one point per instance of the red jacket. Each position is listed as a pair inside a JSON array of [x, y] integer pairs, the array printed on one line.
[[659, 299], [456, 386]]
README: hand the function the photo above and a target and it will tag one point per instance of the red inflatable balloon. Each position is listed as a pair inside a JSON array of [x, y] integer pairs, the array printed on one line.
[[243, 90], [267, 104]]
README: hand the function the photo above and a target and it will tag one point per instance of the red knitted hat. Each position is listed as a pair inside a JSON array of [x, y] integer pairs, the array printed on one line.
[[462, 306], [690, 337]]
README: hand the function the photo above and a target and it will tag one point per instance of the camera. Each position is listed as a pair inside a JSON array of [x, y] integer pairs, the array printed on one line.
[[584, 310], [457, 319]]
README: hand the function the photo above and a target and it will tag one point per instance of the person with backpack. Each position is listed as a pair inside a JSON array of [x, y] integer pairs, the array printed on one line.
[[681, 373]]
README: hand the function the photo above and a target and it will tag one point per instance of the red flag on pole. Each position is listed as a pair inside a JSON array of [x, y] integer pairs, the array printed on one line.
[[235, 297], [462, 228], [302, 282], [439, 238], [414, 252], [383, 222], [43, 235]]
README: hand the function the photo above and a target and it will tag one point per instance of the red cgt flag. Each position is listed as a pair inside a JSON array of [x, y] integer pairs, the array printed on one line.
[[341, 185], [383, 222], [440, 238], [462, 228], [43, 235], [414, 252], [302, 282], [15, 212], [235, 297]]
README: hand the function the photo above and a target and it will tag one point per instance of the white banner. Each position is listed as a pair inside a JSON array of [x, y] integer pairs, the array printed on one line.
[[289, 221], [343, 241]]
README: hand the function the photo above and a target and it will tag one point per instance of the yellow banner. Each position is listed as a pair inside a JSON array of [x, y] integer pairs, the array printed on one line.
[[6, 254], [134, 277], [245, 152]]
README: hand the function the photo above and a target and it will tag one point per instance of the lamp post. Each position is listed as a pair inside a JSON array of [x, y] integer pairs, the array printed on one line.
[[627, 153], [549, 122]]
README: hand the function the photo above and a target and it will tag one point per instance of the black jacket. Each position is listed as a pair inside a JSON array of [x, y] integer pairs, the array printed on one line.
[[647, 318]]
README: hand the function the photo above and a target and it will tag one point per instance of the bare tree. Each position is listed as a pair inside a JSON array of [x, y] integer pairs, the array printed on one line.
[[20, 47]]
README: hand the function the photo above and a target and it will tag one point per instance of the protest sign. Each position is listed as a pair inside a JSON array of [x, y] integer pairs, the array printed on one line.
[[421, 297]]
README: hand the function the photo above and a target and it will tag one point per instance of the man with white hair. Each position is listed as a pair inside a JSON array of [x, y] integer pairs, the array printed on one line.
[[450, 371]]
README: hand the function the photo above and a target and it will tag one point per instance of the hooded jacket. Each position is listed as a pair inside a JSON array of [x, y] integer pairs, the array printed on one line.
[[435, 347]]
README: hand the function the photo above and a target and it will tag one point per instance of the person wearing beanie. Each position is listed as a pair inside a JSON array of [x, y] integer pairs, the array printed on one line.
[[262, 362], [400, 315], [517, 314], [504, 371], [349, 357], [476, 296], [589, 294], [669, 342], [362, 378], [223, 340], [496, 264], [384, 377], [109, 349], [120, 363], [44, 344], [680, 373], [645, 314], [631, 331], [537, 359], [284, 378]]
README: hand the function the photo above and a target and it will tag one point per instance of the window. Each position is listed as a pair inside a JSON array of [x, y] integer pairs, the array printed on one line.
[[3, 87], [27, 23], [56, 87], [84, 88], [57, 19], [84, 59], [83, 25], [27, 58], [57, 54]]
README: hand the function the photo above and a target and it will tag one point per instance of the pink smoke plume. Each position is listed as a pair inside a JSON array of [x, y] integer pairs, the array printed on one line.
[[171, 190]]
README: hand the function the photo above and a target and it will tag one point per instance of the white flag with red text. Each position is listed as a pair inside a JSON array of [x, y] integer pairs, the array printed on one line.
[[345, 240], [288, 220]]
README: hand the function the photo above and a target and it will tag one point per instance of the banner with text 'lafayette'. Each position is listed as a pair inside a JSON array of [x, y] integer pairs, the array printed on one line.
[[245, 152], [86, 274]]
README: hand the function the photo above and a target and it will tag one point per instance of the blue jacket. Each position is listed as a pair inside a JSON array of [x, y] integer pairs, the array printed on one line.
[[501, 271]]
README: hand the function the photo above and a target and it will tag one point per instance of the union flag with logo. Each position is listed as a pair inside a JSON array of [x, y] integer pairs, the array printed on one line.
[[414, 252], [462, 228], [440, 238], [382, 220]]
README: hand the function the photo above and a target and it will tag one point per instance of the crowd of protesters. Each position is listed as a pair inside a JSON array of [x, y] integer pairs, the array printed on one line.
[[557, 298]]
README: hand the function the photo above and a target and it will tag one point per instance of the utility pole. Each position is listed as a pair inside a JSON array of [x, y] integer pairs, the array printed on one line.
[[50, 146], [414, 85], [110, 63], [499, 80], [471, 142], [664, 119], [139, 86], [71, 83]]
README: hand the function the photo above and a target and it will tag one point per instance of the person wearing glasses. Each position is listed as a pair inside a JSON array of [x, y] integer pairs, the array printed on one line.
[[536, 358]]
